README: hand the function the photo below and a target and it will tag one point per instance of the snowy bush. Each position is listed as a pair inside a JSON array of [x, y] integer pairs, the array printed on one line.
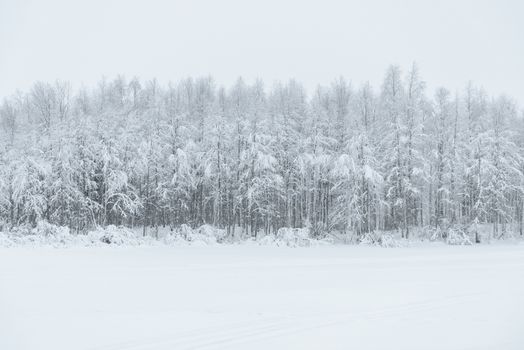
[[52, 233], [5, 241], [436, 234], [21, 230], [204, 235], [267, 240], [385, 239], [179, 236], [184, 231], [318, 230], [48, 234], [293, 237], [117, 236], [456, 236], [43, 234], [450, 235], [369, 238], [173, 238], [210, 234]]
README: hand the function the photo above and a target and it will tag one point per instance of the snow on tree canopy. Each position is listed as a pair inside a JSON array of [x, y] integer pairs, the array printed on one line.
[[251, 160]]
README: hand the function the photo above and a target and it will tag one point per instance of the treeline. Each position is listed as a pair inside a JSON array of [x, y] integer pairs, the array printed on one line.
[[342, 158]]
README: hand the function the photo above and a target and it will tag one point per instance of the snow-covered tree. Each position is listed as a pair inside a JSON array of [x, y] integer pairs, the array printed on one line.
[[251, 160]]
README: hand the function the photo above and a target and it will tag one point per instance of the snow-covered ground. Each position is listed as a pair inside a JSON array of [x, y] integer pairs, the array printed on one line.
[[262, 297]]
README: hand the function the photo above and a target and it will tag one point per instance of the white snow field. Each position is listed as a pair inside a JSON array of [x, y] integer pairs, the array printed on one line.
[[262, 297]]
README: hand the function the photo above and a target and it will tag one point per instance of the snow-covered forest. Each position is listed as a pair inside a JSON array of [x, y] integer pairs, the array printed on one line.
[[254, 175], [252, 158]]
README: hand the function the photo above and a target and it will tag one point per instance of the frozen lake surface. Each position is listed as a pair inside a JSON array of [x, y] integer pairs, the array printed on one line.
[[255, 297]]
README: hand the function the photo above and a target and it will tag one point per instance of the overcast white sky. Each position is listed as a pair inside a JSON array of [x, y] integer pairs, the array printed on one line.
[[313, 41]]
